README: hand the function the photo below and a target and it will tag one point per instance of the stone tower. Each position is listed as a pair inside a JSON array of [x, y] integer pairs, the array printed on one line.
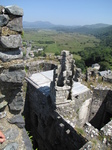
[[63, 78]]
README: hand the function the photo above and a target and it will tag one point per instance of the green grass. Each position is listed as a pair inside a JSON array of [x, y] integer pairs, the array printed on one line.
[[80, 131], [61, 41], [76, 57]]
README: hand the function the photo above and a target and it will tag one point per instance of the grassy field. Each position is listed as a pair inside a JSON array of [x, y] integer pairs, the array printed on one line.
[[53, 41]]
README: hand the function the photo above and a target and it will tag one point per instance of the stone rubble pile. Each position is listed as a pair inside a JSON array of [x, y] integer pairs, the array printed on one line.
[[12, 75], [90, 131], [106, 133]]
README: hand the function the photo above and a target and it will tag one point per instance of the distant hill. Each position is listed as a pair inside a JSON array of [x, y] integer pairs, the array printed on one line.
[[86, 29], [45, 25], [96, 26], [38, 24], [104, 31]]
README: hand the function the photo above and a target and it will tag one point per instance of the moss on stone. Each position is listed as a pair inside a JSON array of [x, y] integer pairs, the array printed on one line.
[[6, 31]]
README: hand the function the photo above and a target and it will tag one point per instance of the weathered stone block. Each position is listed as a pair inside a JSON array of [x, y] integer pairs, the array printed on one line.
[[12, 77], [3, 20], [17, 120], [16, 24], [12, 41], [17, 103], [14, 10], [11, 55], [3, 104]]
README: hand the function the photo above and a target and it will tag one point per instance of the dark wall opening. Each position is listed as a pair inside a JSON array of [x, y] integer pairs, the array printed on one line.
[[107, 118], [101, 112]]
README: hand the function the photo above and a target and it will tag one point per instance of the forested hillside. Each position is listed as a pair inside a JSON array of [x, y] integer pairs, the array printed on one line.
[[101, 54]]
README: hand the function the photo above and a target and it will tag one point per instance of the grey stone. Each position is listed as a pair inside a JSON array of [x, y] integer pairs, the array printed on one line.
[[11, 41], [2, 97], [3, 20], [17, 120], [17, 103], [2, 114], [26, 140], [16, 24], [11, 55], [11, 134], [13, 76], [14, 10], [1, 9], [11, 146], [3, 104]]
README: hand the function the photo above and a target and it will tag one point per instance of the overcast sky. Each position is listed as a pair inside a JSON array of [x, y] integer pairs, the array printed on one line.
[[65, 12]]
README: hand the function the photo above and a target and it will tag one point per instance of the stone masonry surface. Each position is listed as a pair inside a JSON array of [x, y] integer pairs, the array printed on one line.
[[12, 75]]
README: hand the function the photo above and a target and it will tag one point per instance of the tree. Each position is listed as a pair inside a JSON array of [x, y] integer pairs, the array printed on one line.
[[81, 64], [104, 65], [57, 53]]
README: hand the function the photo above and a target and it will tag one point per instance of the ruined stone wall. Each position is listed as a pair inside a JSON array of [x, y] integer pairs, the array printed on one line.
[[107, 79], [37, 66], [12, 75], [101, 105], [63, 78], [52, 115], [50, 130], [92, 75]]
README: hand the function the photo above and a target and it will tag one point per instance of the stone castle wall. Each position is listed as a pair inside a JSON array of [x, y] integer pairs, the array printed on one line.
[[12, 74], [51, 113], [50, 130]]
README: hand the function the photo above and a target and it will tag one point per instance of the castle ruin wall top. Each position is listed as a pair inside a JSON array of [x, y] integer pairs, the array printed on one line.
[[43, 80]]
